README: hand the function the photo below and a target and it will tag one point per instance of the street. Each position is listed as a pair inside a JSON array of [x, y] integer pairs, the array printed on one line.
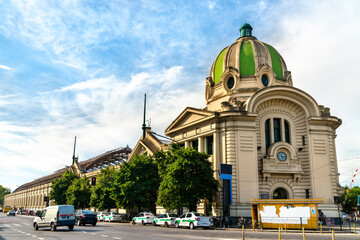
[[20, 227]]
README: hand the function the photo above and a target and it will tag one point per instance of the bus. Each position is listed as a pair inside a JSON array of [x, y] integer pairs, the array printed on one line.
[[6, 209]]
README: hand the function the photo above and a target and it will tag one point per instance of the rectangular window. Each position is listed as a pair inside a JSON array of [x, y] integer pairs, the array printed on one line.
[[287, 132], [277, 129], [267, 133], [209, 145], [195, 145], [303, 140], [307, 193]]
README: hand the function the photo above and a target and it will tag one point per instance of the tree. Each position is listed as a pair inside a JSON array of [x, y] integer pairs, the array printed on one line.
[[100, 193], [60, 185], [186, 178], [352, 200], [78, 193], [3, 192], [136, 184]]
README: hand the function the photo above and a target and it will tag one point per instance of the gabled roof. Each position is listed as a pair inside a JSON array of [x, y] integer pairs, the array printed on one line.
[[115, 156], [150, 143], [189, 116]]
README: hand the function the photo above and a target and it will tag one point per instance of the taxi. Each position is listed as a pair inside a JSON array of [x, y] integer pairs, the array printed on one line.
[[112, 217], [193, 220], [100, 216], [166, 219], [143, 218]]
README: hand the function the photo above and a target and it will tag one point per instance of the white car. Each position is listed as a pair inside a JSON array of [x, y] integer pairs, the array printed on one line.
[[112, 217], [192, 220], [166, 219], [143, 218], [100, 216], [56, 216]]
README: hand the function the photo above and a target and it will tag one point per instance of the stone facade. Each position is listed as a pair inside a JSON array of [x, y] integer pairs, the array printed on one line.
[[279, 141]]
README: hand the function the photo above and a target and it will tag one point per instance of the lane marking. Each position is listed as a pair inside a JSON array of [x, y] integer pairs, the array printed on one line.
[[104, 235], [116, 238], [93, 234], [83, 231]]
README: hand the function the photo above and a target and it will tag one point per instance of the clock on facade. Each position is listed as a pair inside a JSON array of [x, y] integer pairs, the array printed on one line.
[[282, 156]]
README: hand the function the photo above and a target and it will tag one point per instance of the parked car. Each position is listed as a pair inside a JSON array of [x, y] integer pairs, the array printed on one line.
[[100, 216], [11, 213], [143, 218], [192, 220], [37, 213], [166, 219], [113, 217], [83, 217], [344, 216], [56, 216]]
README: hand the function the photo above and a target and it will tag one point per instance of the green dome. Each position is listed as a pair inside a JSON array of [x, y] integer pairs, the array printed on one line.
[[247, 55]]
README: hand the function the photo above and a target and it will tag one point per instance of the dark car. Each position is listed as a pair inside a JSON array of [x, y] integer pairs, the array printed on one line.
[[11, 213], [83, 217]]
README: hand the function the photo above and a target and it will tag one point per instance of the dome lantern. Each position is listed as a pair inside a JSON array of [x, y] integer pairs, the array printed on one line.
[[246, 30]]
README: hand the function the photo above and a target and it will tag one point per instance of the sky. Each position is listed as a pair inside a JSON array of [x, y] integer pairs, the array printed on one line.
[[81, 68]]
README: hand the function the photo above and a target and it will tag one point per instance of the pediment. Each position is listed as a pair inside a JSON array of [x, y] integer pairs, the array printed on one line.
[[188, 117]]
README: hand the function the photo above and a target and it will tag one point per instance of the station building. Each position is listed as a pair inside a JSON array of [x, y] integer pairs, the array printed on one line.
[[279, 141]]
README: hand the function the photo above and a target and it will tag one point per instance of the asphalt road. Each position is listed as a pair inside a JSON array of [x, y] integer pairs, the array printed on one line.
[[20, 227]]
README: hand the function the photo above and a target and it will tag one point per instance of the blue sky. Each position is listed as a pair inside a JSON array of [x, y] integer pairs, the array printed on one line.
[[81, 68]]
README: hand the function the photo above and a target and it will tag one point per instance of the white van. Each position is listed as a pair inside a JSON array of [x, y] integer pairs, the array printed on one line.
[[56, 216]]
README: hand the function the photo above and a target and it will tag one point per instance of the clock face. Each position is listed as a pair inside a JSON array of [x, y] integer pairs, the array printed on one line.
[[282, 156]]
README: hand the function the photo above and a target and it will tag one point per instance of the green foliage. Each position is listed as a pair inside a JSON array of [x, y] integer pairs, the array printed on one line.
[[352, 200], [78, 193], [3, 192], [187, 178], [136, 184], [60, 186], [100, 193]]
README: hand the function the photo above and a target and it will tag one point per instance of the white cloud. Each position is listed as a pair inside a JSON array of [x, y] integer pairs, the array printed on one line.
[[5, 67]]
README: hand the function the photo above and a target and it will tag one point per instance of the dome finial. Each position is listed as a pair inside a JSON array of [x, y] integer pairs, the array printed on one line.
[[246, 30]]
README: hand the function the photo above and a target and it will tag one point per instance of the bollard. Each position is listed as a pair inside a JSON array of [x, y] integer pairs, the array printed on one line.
[[333, 234], [321, 228], [354, 229], [253, 225], [304, 238], [279, 233], [243, 233], [285, 227]]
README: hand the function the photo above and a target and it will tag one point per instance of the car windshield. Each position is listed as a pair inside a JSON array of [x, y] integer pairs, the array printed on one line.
[[172, 215], [115, 213], [199, 214], [149, 214], [88, 212]]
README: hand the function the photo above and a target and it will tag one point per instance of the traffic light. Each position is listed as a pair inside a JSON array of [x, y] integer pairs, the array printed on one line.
[[93, 181]]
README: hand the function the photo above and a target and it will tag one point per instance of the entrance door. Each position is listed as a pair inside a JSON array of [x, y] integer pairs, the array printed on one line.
[[280, 193]]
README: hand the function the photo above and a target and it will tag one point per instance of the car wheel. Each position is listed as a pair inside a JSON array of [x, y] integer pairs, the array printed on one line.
[[154, 223], [166, 224], [94, 224], [71, 227], [78, 222], [177, 225], [53, 227], [133, 222], [192, 226], [36, 227], [142, 222]]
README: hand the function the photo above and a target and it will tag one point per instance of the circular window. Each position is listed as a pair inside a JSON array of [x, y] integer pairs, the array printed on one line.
[[265, 80], [230, 83], [280, 193]]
